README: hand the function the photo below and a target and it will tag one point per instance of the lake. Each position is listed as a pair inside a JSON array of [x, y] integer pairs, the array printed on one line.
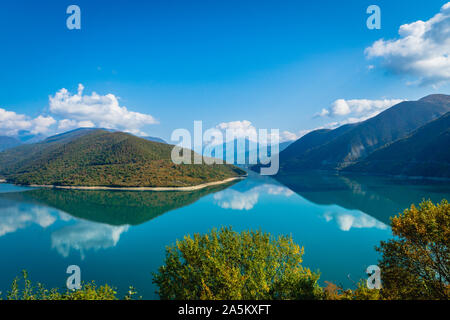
[[119, 237]]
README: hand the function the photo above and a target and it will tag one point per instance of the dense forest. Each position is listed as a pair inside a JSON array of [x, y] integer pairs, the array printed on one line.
[[103, 158]]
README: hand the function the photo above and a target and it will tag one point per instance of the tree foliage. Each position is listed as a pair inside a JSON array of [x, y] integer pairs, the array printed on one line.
[[416, 264], [226, 264], [24, 289], [102, 158]]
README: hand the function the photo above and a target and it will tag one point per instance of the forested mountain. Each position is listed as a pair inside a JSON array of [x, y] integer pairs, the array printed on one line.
[[347, 145], [96, 157], [426, 152]]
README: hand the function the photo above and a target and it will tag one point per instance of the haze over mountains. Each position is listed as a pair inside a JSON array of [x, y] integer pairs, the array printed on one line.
[[346, 148]]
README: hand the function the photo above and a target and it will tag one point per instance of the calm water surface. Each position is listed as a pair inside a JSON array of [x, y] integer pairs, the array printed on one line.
[[120, 237]]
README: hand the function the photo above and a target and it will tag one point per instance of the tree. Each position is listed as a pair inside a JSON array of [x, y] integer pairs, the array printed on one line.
[[416, 264], [226, 264]]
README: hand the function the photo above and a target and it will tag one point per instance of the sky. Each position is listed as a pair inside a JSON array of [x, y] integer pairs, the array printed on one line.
[[152, 67]]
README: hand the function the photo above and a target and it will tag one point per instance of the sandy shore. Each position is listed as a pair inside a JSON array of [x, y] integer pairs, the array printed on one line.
[[192, 188]]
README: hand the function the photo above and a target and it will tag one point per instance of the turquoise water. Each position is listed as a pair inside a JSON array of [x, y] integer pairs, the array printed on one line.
[[120, 237]]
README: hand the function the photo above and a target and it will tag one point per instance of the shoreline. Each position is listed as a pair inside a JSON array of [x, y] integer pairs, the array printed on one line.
[[190, 188]]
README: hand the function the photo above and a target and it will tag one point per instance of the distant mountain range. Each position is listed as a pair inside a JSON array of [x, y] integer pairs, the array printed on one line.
[[390, 143], [243, 148], [96, 157], [8, 142]]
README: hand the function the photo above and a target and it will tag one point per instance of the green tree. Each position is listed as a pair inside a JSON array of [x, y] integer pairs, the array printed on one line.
[[226, 264], [416, 264], [24, 289], [334, 292]]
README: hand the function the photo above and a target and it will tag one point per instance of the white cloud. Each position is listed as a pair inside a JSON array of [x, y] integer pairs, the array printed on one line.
[[238, 130], [11, 123], [77, 111], [352, 111], [288, 136], [245, 130], [68, 124], [96, 110], [422, 50], [360, 107]]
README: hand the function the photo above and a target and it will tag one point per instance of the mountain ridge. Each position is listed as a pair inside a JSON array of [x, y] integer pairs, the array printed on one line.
[[342, 147], [101, 158]]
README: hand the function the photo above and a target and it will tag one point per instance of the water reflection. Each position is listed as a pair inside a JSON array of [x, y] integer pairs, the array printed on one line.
[[99, 217], [378, 197], [246, 200], [338, 219], [15, 216], [348, 220], [85, 236], [114, 208]]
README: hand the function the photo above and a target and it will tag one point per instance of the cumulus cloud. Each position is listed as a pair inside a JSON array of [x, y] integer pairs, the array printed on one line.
[[70, 111], [238, 129], [245, 130], [288, 136], [96, 110], [11, 123], [352, 111], [68, 124], [422, 50], [358, 107]]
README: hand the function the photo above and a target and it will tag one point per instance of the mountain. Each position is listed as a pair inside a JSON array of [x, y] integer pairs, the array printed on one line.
[[425, 152], [14, 157], [248, 148], [96, 157], [346, 145], [27, 137], [8, 142]]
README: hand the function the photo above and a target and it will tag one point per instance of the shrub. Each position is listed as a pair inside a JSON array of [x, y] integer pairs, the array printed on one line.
[[416, 264], [24, 289], [226, 264]]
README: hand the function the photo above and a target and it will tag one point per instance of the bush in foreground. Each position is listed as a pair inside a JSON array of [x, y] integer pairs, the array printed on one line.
[[226, 264], [24, 289], [416, 264]]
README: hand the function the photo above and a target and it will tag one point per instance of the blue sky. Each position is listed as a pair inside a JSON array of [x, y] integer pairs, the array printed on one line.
[[276, 64]]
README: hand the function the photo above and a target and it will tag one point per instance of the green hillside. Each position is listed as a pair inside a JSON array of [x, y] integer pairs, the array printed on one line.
[[340, 148], [102, 158], [426, 152]]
